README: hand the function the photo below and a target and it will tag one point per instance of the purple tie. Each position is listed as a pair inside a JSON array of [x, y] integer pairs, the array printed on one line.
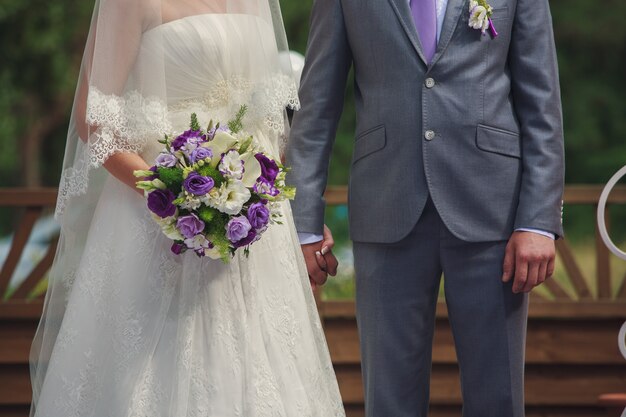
[[425, 17]]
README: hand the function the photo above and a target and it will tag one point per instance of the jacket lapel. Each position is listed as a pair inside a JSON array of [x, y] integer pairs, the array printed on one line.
[[403, 11], [450, 22]]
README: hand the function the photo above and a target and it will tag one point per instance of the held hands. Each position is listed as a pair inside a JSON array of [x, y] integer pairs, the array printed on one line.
[[320, 260], [529, 260]]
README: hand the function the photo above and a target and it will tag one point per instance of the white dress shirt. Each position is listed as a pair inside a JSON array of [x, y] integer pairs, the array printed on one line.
[[307, 238]]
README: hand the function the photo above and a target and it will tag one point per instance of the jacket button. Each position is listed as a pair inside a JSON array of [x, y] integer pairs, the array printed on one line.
[[429, 135], [430, 82]]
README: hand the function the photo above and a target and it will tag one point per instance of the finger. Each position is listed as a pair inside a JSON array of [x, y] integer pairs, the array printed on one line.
[[543, 273], [313, 269], [332, 263], [319, 277], [533, 274], [328, 242], [313, 284], [321, 261], [316, 274], [521, 274], [550, 269], [508, 265]]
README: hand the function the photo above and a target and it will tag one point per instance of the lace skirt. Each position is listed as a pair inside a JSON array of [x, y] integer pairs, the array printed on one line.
[[148, 333]]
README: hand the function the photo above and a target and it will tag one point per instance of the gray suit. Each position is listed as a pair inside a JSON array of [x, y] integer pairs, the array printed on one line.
[[455, 153]]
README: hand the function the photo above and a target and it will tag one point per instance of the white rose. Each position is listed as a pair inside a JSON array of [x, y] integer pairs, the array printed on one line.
[[212, 253], [230, 197], [168, 226], [191, 202], [232, 165], [478, 18], [222, 142], [197, 243]]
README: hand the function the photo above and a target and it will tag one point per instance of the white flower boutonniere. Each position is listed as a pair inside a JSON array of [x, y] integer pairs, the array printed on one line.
[[480, 17]]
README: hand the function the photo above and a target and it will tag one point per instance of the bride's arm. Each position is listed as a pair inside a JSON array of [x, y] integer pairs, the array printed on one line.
[[122, 166], [107, 64]]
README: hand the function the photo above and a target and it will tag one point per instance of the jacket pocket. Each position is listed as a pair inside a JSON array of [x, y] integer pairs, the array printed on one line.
[[500, 13], [368, 142], [500, 141]]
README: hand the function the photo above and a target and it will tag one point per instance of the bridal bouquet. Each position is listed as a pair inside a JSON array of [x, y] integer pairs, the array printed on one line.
[[214, 191]]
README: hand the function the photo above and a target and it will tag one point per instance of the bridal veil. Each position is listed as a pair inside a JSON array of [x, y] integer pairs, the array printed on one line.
[[113, 320]]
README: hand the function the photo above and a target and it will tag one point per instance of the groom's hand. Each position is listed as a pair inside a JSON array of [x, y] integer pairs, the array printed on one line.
[[529, 259]]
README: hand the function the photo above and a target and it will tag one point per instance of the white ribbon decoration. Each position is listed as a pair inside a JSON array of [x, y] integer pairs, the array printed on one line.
[[601, 207], [621, 338]]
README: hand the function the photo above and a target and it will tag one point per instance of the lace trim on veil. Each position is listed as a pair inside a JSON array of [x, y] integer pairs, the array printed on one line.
[[123, 124], [126, 123]]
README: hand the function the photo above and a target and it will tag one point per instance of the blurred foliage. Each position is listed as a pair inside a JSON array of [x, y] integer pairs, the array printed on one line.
[[41, 46], [40, 50]]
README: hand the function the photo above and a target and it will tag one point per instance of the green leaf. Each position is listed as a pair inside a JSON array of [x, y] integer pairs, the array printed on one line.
[[194, 122], [245, 145], [236, 125]]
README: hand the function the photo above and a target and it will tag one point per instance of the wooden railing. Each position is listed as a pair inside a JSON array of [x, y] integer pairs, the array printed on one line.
[[574, 195], [37, 201], [572, 354], [32, 203]]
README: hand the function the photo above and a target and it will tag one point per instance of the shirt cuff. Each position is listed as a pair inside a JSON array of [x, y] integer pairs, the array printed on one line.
[[308, 238], [540, 232]]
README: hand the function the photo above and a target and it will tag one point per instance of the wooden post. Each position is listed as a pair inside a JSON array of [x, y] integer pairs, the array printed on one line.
[[573, 270], [603, 263], [17, 247]]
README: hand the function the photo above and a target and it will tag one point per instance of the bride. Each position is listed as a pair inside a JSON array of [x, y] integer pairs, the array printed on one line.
[[129, 329]]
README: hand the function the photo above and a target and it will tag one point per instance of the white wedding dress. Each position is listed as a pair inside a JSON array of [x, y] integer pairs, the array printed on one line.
[[146, 333]]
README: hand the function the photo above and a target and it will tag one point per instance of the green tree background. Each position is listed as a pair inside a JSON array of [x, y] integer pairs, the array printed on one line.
[[41, 45]]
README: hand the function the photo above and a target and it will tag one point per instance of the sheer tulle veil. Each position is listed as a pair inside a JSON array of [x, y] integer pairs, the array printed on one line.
[[122, 103]]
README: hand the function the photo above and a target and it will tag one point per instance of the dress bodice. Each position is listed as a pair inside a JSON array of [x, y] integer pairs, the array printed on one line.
[[201, 52], [213, 64]]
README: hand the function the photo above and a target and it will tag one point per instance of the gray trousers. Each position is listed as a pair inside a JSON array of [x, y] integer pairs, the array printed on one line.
[[396, 294]]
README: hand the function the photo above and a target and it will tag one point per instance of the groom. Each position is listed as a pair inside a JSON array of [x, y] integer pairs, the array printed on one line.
[[457, 169]]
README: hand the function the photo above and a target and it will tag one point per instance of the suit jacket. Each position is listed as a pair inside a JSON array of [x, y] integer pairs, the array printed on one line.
[[479, 128]]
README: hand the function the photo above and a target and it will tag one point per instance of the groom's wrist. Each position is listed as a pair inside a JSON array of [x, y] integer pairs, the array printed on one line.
[[538, 231], [309, 238]]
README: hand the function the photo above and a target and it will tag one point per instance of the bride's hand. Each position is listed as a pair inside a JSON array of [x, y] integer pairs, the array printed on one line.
[[325, 257], [123, 165]]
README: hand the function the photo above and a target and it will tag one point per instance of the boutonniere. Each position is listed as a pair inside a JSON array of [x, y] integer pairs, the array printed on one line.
[[480, 16]]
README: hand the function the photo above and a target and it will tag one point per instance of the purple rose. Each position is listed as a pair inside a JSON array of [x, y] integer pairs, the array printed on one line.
[[181, 140], [190, 225], [269, 168], [197, 184], [160, 203], [177, 248], [252, 237], [199, 154], [238, 228], [258, 215], [265, 187], [166, 160]]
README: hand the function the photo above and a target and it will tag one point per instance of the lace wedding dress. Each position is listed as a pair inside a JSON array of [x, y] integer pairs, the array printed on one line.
[[140, 332]]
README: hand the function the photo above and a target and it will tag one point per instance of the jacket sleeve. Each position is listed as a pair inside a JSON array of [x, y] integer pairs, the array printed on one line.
[[322, 93], [537, 101]]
